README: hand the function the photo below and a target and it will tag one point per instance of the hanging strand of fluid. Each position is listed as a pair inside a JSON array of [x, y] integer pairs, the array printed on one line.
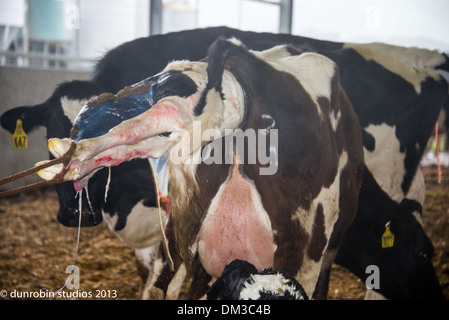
[[80, 207]]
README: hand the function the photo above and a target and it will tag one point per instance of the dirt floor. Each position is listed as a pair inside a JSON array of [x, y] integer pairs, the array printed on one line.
[[35, 250]]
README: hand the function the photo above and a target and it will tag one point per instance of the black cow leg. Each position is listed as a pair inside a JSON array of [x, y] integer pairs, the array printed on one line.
[[322, 285]]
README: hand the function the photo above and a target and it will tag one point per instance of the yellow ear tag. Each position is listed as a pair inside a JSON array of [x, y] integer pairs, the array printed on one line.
[[19, 137], [387, 237]]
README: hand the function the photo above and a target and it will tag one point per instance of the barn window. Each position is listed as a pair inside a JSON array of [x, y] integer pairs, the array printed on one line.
[[73, 34]]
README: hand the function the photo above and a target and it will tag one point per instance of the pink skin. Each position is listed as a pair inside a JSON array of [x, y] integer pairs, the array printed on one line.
[[238, 226], [83, 170], [162, 117]]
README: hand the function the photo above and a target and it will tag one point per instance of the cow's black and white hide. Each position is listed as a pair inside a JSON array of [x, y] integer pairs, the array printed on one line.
[[395, 136], [291, 218], [401, 221]]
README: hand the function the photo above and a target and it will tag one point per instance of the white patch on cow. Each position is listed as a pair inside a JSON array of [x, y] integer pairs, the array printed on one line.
[[266, 130], [71, 108], [274, 53], [329, 199], [146, 256], [234, 41], [417, 188], [314, 71], [147, 259], [334, 119], [223, 114], [386, 161], [141, 229], [174, 288], [234, 103], [157, 266], [414, 65], [276, 283]]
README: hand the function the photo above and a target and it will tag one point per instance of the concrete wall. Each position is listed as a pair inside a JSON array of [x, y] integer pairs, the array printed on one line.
[[27, 87]]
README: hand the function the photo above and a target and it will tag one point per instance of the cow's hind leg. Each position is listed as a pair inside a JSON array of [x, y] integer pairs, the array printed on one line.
[[158, 290], [322, 285]]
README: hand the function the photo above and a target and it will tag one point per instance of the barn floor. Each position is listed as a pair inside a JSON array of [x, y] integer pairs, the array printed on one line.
[[35, 249]]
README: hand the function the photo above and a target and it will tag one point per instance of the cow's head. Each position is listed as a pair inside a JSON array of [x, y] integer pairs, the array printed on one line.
[[405, 265], [57, 115]]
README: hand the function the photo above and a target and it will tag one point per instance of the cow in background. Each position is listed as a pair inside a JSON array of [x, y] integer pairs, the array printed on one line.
[[397, 121]]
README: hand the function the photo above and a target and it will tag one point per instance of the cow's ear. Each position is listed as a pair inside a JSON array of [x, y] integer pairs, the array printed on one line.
[[32, 118]]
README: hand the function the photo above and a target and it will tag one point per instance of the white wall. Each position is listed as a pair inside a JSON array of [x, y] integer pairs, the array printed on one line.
[[422, 23], [27, 87], [12, 13], [105, 24]]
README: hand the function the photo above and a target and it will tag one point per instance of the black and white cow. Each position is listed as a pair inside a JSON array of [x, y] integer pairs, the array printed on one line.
[[289, 211], [364, 78], [363, 248], [396, 129]]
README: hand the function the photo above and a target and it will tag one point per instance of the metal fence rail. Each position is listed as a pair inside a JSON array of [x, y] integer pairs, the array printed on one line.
[[57, 61]]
